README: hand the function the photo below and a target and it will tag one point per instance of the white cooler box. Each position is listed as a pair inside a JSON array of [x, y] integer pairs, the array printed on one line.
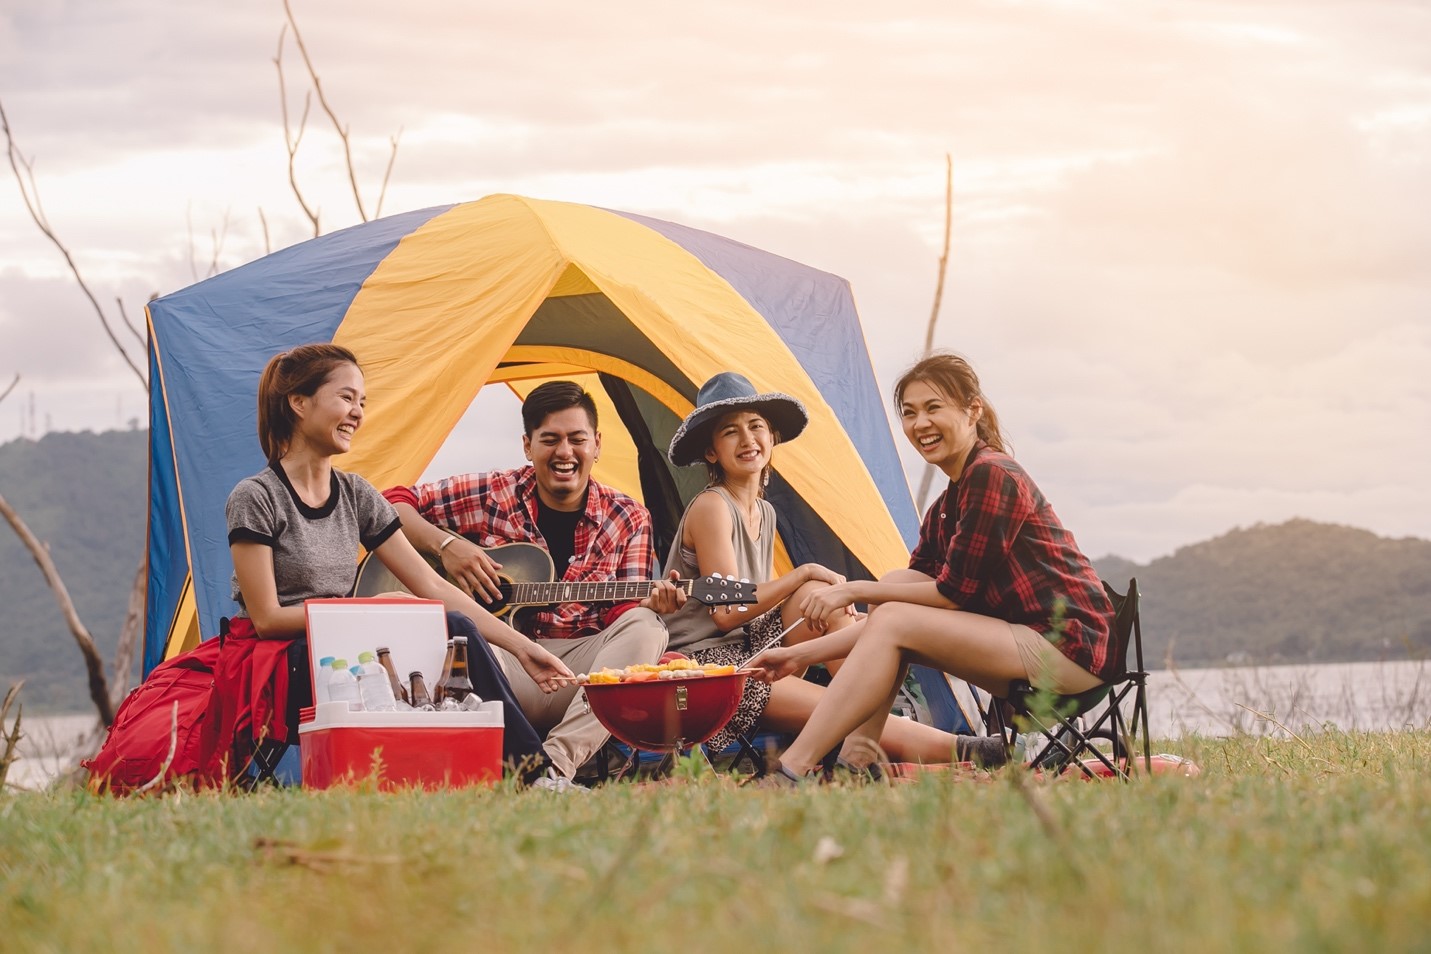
[[395, 749]]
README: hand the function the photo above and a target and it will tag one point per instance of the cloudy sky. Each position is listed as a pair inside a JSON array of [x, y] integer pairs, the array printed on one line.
[[1191, 250]]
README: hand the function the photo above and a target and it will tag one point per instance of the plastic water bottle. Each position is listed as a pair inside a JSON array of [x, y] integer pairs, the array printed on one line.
[[343, 685], [320, 685], [373, 685]]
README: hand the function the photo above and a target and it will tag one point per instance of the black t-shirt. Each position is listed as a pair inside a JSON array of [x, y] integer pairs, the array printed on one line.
[[558, 528]]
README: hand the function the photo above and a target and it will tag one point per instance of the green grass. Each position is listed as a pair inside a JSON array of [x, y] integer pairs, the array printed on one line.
[[1279, 845]]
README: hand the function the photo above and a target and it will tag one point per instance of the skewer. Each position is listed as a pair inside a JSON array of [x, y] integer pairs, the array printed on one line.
[[770, 643]]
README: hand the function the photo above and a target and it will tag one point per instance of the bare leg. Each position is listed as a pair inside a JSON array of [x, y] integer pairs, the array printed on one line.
[[975, 648], [793, 701]]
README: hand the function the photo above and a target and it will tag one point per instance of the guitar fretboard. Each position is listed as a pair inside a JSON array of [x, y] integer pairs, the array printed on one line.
[[613, 591]]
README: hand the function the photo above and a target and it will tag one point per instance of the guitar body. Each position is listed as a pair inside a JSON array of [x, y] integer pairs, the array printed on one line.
[[521, 563]]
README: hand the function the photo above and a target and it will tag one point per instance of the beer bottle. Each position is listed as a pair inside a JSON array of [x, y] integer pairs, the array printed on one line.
[[441, 687], [459, 683], [385, 660], [420, 697]]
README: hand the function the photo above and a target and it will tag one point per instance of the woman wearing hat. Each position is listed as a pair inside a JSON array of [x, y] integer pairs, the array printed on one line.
[[729, 528]]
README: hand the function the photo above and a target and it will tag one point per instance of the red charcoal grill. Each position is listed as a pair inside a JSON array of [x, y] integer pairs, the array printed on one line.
[[666, 715]]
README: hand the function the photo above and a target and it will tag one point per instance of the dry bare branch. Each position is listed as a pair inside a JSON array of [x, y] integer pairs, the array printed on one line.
[[927, 479], [267, 245], [282, 851], [133, 328], [218, 238], [6, 393], [30, 194], [387, 174], [290, 140], [98, 684], [129, 635], [323, 101], [12, 735]]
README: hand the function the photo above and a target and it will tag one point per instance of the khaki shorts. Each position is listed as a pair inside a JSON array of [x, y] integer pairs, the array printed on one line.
[[1048, 668]]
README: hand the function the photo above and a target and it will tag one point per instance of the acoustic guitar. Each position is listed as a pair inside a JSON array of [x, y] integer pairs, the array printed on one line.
[[529, 583]]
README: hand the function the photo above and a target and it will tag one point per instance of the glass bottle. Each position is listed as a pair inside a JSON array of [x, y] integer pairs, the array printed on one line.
[[420, 698], [459, 684], [441, 687], [386, 661]]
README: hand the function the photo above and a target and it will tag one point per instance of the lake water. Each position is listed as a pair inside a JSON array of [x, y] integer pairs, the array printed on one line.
[[1228, 701]]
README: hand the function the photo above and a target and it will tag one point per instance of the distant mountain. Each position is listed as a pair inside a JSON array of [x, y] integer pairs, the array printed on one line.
[[84, 495], [1293, 592]]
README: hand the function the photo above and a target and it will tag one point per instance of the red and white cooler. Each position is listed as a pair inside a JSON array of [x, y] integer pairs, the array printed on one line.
[[402, 748]]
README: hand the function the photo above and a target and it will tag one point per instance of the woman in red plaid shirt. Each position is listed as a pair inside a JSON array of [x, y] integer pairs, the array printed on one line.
[[996, 589]]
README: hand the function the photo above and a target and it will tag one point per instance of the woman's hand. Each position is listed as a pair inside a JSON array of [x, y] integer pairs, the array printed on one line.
[[474, 572], [815, 573], [546, 670], [776, 663], [821, 606]]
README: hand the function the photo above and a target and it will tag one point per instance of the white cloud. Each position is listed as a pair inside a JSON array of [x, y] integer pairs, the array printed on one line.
[[1188, 254]]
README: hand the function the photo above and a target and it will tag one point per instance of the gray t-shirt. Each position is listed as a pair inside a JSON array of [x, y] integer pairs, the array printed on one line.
[[315, 549], [691, 627]]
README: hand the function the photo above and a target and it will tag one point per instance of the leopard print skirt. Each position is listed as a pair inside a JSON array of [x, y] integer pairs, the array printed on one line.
[[756, 696]]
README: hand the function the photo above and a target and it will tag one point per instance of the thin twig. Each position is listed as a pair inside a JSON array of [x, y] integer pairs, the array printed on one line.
[[290, 140], [218, 237], [267, 245], [11, 735], [927, 479], [1268, 717], [6, 393], [158, 779], [387, 174], [129, 634], [98, 684], [30, 194], [276, 849], [944, 256], [323, 101], [133, 329]]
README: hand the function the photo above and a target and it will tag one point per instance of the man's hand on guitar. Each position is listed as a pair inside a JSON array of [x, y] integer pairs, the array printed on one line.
[[666, 597], [546, 670], [472, 569]]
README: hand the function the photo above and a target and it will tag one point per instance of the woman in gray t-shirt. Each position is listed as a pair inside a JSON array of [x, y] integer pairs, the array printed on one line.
[[295, 527]]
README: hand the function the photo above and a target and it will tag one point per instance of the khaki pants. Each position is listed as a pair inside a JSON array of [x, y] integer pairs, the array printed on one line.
[[573, 733]]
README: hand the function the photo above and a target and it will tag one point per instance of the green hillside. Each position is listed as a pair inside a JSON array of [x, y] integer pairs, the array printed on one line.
[[83, 494], [1294, 592]]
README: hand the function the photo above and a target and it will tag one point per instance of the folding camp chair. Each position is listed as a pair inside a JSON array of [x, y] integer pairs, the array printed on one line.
[[1060, 724]]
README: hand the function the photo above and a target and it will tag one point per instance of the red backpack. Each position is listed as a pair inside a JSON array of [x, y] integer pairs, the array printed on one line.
[[144, 727]]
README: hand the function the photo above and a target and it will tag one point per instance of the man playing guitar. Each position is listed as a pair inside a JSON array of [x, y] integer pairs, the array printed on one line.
[[593, 533]]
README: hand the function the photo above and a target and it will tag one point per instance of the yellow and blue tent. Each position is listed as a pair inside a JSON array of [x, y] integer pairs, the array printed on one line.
[[440, 302]]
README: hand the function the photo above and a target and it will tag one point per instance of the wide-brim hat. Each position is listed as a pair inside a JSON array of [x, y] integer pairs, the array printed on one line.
[[726, 392]]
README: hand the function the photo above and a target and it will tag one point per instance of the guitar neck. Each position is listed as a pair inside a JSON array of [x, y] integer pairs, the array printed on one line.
[[611, 591]]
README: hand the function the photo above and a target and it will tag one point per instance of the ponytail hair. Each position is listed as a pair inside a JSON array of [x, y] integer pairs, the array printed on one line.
[[301, 371], [952, 376]]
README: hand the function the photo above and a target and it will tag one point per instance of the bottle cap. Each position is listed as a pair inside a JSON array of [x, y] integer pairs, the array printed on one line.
[[366, 657], [326, 662], [356, 670], [383, 649], [340, 664], [460, 639], [415, 674]]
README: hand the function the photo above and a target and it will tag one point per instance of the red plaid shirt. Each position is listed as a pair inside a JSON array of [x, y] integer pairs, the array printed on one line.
[[995, 547], [612, 541]]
